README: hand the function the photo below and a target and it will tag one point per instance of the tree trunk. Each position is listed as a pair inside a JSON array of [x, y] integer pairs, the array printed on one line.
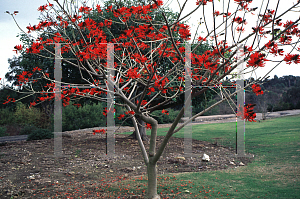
[[152, 181], [142, 130]]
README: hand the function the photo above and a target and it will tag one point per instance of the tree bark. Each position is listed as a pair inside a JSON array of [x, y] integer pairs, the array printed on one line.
[[152, 181], [142, 130]]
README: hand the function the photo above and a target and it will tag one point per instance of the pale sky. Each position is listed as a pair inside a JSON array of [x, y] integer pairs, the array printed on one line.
[[28, 14]]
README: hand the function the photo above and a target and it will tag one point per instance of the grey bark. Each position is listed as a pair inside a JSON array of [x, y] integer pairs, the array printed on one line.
[[142, 130]]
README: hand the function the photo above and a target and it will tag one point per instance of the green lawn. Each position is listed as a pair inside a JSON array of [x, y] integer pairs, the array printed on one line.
[[273, 174]]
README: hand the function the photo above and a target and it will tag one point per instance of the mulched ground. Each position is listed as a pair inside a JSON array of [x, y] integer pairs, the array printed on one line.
[[30, 170]]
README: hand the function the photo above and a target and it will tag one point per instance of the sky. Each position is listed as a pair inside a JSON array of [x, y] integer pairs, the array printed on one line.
[[28, 14]]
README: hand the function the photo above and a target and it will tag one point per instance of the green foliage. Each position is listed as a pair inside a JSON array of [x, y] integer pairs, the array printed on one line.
[[28, 129], [6, 116], [163, 118], [40, 134], [3, 131], [88, 116], [29, 116]]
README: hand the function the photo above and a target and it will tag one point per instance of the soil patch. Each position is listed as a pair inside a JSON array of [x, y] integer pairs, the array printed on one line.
[[30, 170]]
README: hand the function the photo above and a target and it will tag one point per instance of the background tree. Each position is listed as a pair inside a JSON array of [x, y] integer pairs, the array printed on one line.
[[142, 82]]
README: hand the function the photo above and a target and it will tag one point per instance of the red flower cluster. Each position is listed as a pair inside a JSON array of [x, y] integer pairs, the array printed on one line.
[[36, 47], [42, 8], [292, 58], [151, 90], [257, 60], [239, 20], [99, 131], [144, 102], [285, 39], [184, 31], [9, 99], [133, 73], [268, 16], [200, 39], [148, 126], [22, 78], [293, 29], [130, 112], [85, 10], [273, 47], [249, 114], [165, 112], [121, 116], [257, 89], [160, 84], [18, 48]]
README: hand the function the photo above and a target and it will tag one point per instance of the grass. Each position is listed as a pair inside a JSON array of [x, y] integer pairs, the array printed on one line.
[[274, 173]]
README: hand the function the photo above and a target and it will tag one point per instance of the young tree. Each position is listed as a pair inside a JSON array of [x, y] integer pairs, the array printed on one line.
[[143, 82]]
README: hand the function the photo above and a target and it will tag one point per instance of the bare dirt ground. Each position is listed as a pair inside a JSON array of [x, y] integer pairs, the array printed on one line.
[[30, 169]]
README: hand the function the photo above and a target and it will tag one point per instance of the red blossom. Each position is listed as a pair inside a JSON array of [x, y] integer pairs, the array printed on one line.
[[144, 102], [151, 90], [285, 39], [105, 112], [165, 112], [130, 112], [257, 60], [9, 99], [121, 116], [200, 39], [239, 20], [42, 8], [292, 58], [249, 114], [18, 48], [240, 29], [217, 13], [257, 89], [258, 29], [85, 10], [36, 47], [133, 73], [32, 104], [98, 8], [148, 126], [103, 131], [184, 31]]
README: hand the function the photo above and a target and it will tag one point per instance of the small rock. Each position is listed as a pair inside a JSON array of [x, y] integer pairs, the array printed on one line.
[[31, 177], [111, 171], [232, 163], [138, 167], [126, 175], [242, 164], [205, 158]]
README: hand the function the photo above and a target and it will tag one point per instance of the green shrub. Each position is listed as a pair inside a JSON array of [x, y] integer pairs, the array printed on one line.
[[28, 129], [39, 134], [3, 131], [162, 118], [6, 116], [74, 118], [29, 116]]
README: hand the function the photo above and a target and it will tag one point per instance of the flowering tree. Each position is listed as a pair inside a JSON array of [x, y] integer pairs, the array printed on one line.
[[150, 57]]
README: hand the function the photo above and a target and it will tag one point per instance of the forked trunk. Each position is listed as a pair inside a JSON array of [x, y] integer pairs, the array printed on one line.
[[152, 181], [142, 130]]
